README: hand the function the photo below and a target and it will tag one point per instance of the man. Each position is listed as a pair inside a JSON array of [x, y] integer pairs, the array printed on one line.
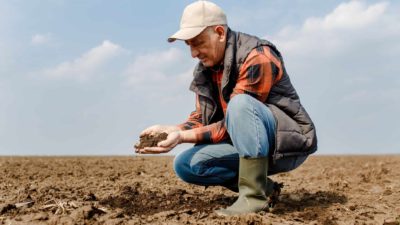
[[248, 121]]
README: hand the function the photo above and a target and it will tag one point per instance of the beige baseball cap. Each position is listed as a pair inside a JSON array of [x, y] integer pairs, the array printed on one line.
[[196, 17]]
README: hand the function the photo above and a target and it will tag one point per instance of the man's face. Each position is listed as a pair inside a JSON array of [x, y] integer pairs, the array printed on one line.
[[209, 46]]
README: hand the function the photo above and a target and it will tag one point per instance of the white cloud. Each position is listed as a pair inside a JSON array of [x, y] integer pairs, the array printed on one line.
[[156, 68], [354, 44], [40, 39], [87, 64], [351, 15], [349, 24]]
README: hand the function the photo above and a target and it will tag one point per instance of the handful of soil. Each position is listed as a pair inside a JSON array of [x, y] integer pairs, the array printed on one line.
[[150, 140]]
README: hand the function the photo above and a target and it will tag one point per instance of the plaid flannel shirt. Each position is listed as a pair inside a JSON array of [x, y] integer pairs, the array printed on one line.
[[260, 71]]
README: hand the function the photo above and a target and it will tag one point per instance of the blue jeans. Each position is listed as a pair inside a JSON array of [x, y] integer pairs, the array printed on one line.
[[251, 127]]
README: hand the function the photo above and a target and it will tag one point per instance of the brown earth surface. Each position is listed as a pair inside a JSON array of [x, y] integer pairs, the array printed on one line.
[[145, 190]]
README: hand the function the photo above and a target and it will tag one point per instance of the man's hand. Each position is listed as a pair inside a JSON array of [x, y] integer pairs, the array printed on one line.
[[159, 129], [174, 138]]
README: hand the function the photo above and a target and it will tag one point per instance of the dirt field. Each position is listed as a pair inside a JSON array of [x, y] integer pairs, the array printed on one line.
[[145, 190]]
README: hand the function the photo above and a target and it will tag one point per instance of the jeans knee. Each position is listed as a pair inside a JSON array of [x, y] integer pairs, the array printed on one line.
[[238, 104], [186, 170], [180, 166]]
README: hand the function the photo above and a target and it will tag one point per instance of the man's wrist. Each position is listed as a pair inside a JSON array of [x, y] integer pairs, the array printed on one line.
[[182, 137]]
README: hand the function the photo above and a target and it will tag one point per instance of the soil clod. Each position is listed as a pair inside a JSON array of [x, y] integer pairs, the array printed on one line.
[[4, 208], [150, 140]]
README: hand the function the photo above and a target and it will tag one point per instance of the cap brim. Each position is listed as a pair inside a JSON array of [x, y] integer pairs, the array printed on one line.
[[186, 33]]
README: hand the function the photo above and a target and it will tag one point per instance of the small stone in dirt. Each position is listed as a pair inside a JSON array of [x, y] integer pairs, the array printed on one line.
[[391, 221], [24, 204], [90, 197], [387, 192], [4, 208], [150, 140]]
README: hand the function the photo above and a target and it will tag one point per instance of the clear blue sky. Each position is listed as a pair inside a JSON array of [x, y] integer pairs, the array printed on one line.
[[85, 77]]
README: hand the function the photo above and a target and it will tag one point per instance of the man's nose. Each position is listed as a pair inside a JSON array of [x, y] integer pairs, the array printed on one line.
[[194, 52]]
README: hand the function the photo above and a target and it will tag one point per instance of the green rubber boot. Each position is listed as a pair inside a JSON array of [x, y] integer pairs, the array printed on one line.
[[252, 186]]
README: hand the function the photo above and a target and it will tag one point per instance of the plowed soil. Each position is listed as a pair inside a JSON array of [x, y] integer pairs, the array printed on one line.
[[145, 190]]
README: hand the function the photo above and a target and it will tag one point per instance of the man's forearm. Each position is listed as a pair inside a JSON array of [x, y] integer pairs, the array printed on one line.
[[188, 136], [212, 133]]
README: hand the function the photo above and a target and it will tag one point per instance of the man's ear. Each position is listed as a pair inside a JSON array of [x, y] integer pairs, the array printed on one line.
[[220, 30]]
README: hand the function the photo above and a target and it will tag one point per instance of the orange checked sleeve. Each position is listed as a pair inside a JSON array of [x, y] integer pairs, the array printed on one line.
[[195, 118], [258, 73], [212, 133]]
